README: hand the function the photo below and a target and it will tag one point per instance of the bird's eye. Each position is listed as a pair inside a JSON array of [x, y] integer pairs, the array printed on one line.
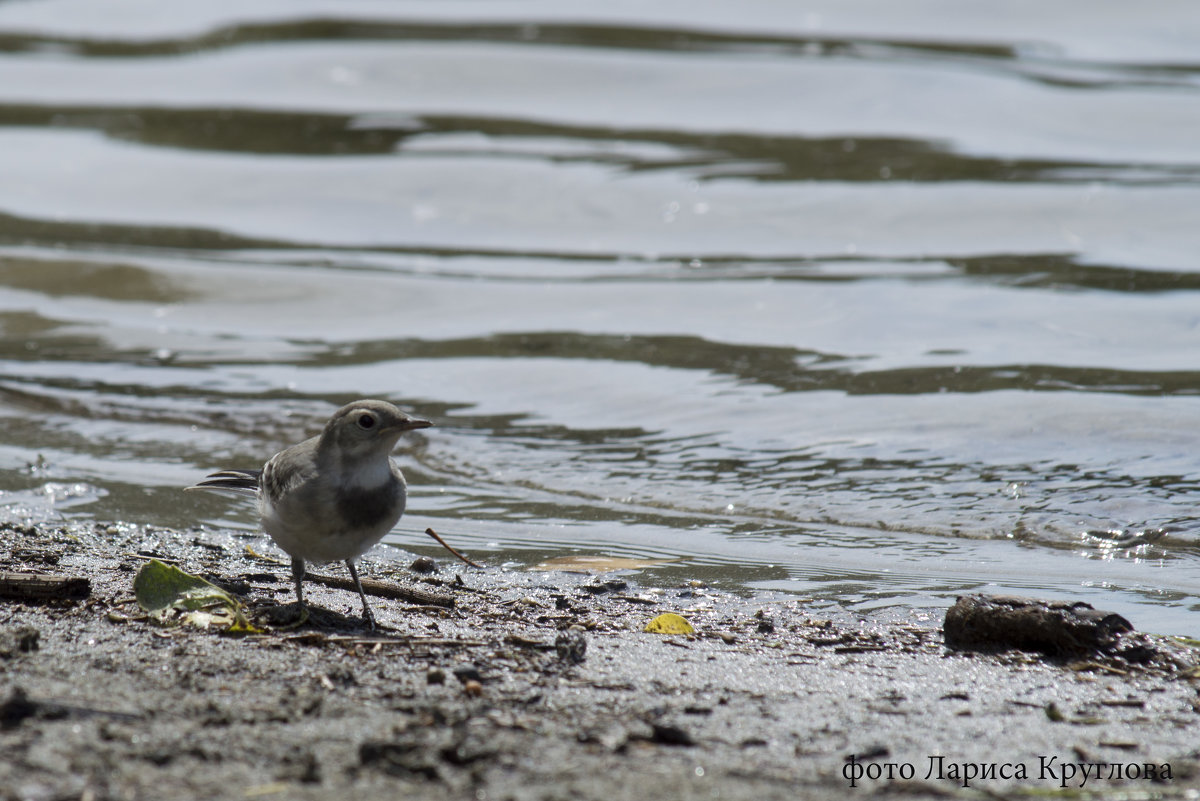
[[366, 422]]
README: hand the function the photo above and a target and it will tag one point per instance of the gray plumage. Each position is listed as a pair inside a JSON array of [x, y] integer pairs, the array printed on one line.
[[332, 497]]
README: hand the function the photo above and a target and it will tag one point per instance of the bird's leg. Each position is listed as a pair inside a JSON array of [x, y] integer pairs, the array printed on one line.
[[298, 578], [367, 616]]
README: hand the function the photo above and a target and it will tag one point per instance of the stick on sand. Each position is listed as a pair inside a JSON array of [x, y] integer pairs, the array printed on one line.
[[442, 542]]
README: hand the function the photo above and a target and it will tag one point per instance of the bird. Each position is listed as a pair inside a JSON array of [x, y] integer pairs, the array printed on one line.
[[331, 497]]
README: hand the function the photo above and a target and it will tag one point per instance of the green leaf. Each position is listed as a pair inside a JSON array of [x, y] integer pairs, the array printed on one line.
[[163, 590]]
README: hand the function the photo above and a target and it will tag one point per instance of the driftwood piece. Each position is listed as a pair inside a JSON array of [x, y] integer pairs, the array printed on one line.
[[43, 587], [1057, 628], [384, 589]]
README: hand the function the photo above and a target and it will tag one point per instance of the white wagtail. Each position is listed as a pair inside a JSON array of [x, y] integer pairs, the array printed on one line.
[[332, 497]]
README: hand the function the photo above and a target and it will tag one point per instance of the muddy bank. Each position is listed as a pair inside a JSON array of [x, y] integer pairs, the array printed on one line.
[[540, 686]]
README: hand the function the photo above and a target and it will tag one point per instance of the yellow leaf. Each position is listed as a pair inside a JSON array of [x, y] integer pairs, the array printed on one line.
[[669, 623]]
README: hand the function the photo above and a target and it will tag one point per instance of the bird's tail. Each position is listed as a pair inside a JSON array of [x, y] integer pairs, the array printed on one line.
[[245, 481]]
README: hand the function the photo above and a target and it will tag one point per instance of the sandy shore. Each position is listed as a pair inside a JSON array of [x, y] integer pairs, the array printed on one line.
[[541, 687]]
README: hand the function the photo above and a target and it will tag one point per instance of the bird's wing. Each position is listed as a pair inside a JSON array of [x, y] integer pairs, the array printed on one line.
[[288, 469], [244, 481]]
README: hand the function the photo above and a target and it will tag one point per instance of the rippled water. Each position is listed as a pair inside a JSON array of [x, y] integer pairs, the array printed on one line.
[[867, 306]]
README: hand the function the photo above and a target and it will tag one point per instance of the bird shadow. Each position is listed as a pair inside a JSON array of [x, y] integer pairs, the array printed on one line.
[[293, 617]]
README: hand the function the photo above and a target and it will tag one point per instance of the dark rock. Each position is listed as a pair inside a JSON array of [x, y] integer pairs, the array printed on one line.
[[571, 646], [608, 585], [1056, 628]]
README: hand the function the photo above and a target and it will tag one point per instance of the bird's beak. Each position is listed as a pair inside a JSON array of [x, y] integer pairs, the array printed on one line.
[[412, 424]]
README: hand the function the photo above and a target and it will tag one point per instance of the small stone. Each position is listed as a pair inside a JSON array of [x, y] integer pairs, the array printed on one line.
[[405, 759], [301, 766], [18, 640], [671, 734], [423, 564], [16, 709], [765, 624], [465, 673], [472, 688], [435, 676], [340, 676]]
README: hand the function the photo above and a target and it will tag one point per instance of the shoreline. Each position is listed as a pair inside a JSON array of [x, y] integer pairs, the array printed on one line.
[[525, 689]]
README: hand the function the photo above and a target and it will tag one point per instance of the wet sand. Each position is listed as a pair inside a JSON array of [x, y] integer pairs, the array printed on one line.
[[541, 686]]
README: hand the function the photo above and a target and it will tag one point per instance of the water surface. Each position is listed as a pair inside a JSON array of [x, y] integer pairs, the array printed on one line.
[[870, 308]]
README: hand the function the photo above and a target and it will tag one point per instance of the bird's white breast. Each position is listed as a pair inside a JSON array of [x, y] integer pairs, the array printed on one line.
[[367, 475]]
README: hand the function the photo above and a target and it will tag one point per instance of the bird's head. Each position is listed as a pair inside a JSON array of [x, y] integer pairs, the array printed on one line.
[[368, 427]]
